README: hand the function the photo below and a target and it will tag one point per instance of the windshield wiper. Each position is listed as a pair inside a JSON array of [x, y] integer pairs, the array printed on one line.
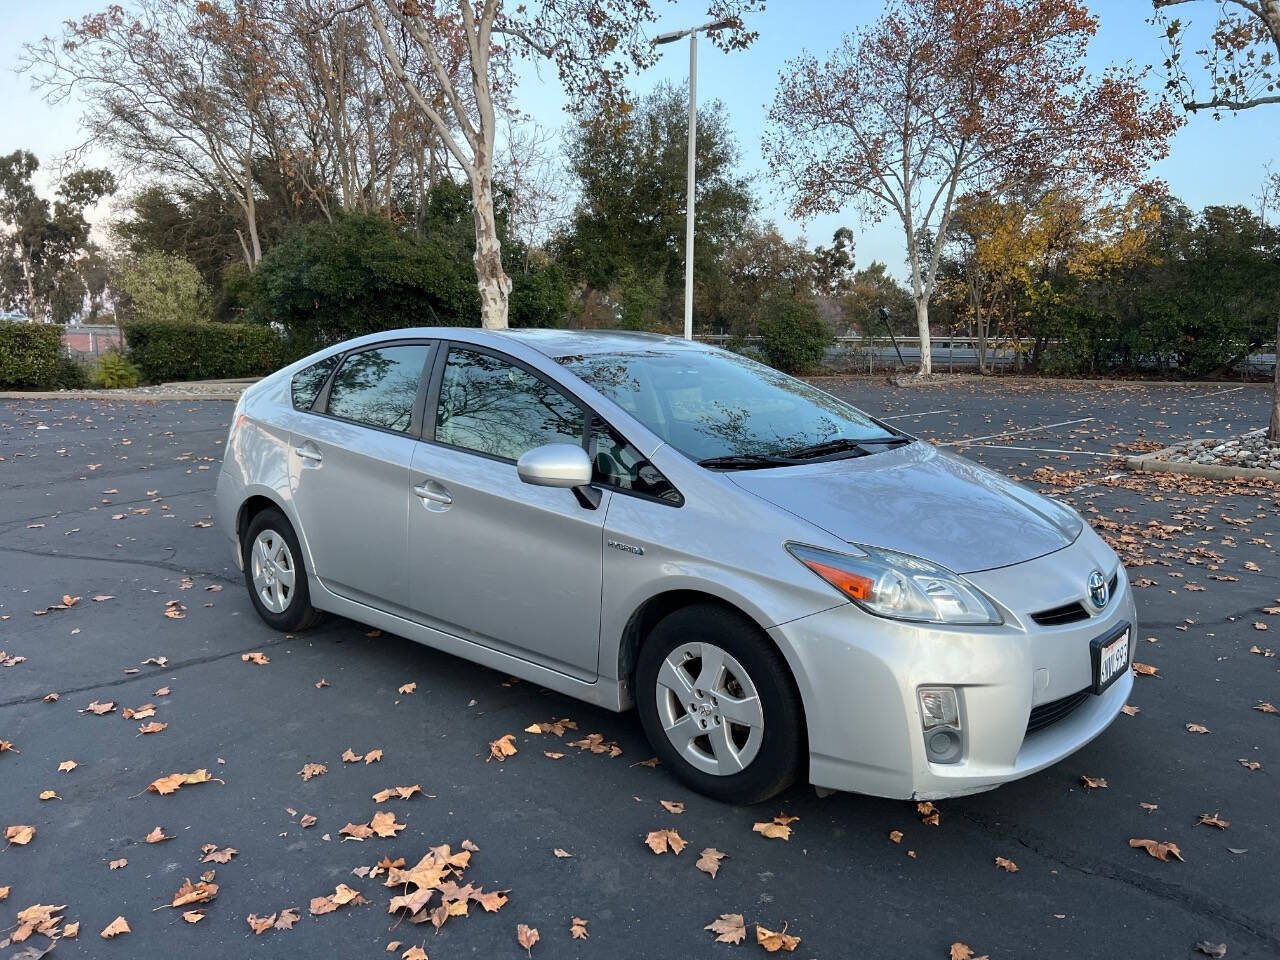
[[842, 445], [745, 461]]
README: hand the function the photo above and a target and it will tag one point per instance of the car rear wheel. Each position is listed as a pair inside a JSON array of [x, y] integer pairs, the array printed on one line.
[[274, 573], [718, 705]]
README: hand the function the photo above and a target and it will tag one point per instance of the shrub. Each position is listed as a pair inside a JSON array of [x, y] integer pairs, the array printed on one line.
[[793, 336], [326, 282], [73, 373], [202, 351], [30, 354], [114, 371], [163, 287]]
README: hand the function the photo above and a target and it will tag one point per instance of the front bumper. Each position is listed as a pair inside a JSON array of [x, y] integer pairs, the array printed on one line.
[[858, 677]]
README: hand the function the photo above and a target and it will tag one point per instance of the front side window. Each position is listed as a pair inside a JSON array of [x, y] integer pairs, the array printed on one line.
[[497, 408], [711, 404], [379, 387], [307, 383]]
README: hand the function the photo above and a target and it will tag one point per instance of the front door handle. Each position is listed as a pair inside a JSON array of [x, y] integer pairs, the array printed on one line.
[[309, 453], [434, 492]]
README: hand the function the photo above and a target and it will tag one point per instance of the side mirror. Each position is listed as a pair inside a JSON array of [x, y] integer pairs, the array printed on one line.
[[555, 465]]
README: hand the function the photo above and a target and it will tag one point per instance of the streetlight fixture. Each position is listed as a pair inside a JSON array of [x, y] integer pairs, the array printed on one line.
[[692, 34]]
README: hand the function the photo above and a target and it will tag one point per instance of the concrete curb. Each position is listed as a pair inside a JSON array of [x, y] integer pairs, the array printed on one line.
[[130, 395], [1149, 463]]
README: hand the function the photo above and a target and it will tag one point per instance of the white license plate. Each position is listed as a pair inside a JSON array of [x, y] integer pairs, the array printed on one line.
[[1111, 659]]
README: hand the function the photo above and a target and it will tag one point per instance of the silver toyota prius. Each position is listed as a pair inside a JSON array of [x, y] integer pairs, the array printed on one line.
[[782, 585]]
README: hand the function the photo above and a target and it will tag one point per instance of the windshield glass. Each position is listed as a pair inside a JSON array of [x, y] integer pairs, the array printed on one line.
[[714, 404]]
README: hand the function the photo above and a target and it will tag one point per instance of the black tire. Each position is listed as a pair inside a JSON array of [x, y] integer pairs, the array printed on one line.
[[782, 750], [298, 615]]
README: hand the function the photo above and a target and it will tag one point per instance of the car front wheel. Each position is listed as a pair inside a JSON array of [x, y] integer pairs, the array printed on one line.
[[274, 573], [718, 705]]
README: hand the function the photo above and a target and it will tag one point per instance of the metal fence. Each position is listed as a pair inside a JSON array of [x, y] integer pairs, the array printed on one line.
[[90, 339], [872, 354]]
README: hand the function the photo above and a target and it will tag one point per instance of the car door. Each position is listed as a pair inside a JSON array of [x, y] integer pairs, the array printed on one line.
[[504, 563], [349, 466]]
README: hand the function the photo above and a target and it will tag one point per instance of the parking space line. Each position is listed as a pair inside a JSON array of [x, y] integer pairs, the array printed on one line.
[[1078, 453], [1014, 433], [1203, 396], [923, 413]]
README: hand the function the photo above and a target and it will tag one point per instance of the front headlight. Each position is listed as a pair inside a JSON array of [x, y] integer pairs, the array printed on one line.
[[899, 586]]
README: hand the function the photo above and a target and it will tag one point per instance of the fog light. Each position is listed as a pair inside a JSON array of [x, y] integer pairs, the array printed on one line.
[[943, 746], [938, 708]]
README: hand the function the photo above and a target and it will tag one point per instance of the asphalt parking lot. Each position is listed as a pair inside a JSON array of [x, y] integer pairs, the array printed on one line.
[[110, 499]]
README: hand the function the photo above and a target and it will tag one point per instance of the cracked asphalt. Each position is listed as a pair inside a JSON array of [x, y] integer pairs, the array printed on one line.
[[77, 476]]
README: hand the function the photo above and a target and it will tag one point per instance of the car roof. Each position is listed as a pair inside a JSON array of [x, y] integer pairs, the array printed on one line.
[[550, 343]]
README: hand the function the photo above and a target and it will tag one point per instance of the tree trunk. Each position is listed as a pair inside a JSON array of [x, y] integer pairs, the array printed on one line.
[[1273, 428], [926, 348], [491, 279]]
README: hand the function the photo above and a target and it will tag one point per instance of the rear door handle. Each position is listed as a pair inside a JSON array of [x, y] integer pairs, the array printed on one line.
[[309, 453], [434, 492]]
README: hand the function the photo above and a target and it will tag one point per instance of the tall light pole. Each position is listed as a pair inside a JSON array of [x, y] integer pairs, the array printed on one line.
[[692, 34]]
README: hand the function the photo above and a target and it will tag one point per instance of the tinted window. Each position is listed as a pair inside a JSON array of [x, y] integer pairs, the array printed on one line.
[[495, 407], [379, 387], [308, 383], [711, 403], [620, 465]]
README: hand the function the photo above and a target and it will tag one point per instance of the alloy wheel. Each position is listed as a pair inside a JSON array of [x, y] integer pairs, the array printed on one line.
[[709, 708], [273, 571]]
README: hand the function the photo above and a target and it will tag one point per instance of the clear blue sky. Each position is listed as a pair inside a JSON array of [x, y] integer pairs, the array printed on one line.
[[1211, 161]]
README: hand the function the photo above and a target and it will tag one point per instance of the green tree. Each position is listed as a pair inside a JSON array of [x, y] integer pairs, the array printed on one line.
[[161, 287], [42, 241], [627, 233]]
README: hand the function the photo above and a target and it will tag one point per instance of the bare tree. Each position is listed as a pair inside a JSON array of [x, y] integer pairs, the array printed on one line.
[[1241, 55], [593, 45], [944, 95]]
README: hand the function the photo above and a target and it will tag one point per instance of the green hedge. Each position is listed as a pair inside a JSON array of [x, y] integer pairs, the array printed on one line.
[[30, 354], [165, 351]]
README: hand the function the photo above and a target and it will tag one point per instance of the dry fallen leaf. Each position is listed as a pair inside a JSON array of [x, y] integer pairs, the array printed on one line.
[[189, 893], [1197, 728], [49, 795], [596, 743], [1161, 851], [306, 820], [1213, 820], [673, 806], [350, 756], [779, 828], [895, 836], [526, 936], [310, 770], [728, 928], [143, 712], [562, 853], [1145, 669], [503, 747], [260, 925], [154, 727], [402, 793], [709, 861], [373, 756], [256, 657], [99, 708], [19, 834], [413, 953], [321, 683], [66, 766], [1094, 783], [1211, 949], [409, 688], [1250, 764], [118, 864], [288, 918], [116, 927], [193, 916], [578, 928], [962, 951], [660, 841], [4, 893], [175, 781], [157, 835], [213, 855], [1130, 711], [773, 942], [929, 814], [1267, 708], [71, 930], [384, 824], [1007, 865]]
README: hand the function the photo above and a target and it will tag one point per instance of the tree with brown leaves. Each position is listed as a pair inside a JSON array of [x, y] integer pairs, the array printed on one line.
[[939, 96]]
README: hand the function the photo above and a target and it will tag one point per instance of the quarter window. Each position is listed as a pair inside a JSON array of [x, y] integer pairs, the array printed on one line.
[[620, 465], [307, 384], [379, 387], [499, 409]]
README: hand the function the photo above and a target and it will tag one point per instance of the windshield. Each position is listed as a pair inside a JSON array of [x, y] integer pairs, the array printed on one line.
[[714, 405]]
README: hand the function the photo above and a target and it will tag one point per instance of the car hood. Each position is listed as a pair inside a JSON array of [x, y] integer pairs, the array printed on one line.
[[921, 501]]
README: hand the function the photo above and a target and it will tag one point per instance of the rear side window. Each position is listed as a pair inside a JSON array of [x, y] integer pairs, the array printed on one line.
[[379, 387], [497, 408], [308, 383]]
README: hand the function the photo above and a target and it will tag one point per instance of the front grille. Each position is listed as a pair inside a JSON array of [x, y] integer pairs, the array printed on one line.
[[1067, 613], [1111, 586], [1050, 713]]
